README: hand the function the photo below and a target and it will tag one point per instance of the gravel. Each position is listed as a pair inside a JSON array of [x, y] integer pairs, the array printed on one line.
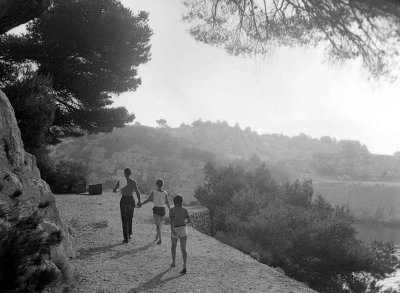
[[105, 264]]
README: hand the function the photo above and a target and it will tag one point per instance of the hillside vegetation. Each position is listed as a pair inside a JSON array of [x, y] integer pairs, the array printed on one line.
[[179, 154], [290, 227]]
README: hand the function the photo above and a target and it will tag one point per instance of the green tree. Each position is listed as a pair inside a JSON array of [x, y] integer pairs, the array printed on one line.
[[91, 49], [356, 28]]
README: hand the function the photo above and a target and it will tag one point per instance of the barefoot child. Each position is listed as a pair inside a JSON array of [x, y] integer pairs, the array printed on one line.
[[178, 216], [159, 197]]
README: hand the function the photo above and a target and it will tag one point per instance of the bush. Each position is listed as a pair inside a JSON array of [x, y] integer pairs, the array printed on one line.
[[24, 251], [290, 228], [243, 243], [62, 176]]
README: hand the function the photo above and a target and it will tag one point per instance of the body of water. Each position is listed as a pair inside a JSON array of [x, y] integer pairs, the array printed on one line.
[[370, 232]]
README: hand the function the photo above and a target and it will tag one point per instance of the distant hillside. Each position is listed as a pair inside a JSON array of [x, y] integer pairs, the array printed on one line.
[[149, 152], [179, 154], [301, 156]]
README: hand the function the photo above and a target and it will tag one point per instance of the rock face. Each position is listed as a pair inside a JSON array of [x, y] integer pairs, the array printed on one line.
[[22, 191]]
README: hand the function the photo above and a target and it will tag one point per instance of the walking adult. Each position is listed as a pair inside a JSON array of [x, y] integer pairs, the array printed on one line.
[[126, 186]]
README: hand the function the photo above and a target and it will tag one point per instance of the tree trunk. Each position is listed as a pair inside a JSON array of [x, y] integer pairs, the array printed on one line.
[[16, 12]]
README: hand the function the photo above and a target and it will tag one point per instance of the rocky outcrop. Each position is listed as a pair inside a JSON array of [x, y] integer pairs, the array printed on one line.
[[22, 191]]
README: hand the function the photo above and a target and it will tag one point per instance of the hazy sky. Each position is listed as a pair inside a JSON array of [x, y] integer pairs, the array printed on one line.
[[290, 92]]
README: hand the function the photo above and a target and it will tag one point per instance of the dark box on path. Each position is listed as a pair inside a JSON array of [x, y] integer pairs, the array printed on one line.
[[95, 189]]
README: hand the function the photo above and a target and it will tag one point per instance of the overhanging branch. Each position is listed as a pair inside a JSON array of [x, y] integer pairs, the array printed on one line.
[[16, 12]]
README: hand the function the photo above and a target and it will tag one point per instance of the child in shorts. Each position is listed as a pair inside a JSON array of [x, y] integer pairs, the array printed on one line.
[[159, 198], [179, 216]]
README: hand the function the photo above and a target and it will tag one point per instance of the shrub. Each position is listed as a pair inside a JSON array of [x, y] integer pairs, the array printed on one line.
[[63, 176], [243, 243], [290, 228], [24, 251]]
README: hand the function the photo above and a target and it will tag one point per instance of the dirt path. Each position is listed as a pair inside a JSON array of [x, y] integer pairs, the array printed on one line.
[[107, 265]]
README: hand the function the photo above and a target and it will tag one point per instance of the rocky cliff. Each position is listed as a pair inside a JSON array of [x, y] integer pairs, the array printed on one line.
[[22, 191]]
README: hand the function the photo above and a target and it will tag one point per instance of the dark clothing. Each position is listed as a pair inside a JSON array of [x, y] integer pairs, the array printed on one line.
[[159, 211], [127, 206]]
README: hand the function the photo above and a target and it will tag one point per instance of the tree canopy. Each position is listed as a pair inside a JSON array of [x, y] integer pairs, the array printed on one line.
[[16, 12], [91, 49], [369, 29]]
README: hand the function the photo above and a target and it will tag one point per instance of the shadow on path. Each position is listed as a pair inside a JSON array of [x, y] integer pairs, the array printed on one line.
[[154, 282], [134, 251], [88, 252]]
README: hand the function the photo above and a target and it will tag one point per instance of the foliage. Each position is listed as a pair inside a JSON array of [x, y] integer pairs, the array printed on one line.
[[350, 29], [291, 228], [150, 152], [353, 161], [179, 155], [91, 49], [17, 12], [162, 123], [24, 250], [64, 175], [33, 100]]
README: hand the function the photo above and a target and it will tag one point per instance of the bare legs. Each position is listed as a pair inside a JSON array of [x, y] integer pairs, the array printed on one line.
[[174, 242], [183, 241], [157, 220]]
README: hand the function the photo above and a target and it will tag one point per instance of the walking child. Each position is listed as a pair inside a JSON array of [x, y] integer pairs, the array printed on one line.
[[179, 216], [159, 198]]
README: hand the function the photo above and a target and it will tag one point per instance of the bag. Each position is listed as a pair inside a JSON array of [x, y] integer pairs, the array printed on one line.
[[159, 211]]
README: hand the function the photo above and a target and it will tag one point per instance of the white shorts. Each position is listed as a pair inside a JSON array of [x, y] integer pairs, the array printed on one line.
[[181, 232]]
